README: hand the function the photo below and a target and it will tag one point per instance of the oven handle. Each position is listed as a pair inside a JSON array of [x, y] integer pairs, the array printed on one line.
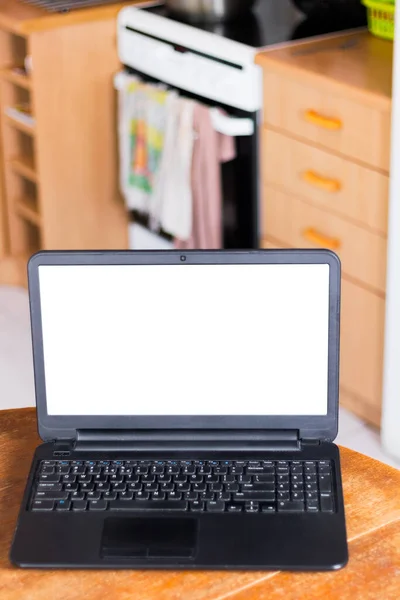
[[233, 126], [222, 123]]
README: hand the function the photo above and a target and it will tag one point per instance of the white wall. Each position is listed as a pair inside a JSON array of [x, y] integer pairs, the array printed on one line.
[[391, 387]]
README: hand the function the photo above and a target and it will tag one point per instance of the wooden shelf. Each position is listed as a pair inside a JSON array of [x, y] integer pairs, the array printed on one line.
[[29, 129], [23, 81], [26, 208], [24, 166]]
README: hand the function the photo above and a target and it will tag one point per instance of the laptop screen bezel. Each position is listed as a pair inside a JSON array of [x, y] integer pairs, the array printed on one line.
[[322, 427]]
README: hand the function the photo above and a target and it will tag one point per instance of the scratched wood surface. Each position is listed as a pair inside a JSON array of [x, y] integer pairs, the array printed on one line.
[[372, 499]]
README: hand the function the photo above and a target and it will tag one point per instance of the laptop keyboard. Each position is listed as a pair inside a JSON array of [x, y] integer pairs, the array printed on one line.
[[184, 485]]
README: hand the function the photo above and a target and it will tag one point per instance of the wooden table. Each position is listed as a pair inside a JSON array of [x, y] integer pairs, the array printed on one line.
[[372, 499]]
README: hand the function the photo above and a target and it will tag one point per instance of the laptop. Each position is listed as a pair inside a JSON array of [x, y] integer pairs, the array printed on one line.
[[187, 404]]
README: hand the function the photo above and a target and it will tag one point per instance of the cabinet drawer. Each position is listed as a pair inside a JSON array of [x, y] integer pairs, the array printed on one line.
[[299, 224], [334, 183], [361, 346], [328, 118]]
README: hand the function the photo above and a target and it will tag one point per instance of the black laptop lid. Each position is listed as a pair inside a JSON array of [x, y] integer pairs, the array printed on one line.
[[217, 340]]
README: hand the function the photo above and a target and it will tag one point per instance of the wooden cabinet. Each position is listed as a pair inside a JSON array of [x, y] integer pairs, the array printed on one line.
[[59, 167], [325, 174]]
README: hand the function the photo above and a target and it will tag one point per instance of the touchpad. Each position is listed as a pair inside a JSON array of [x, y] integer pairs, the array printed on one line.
[[144, 537]]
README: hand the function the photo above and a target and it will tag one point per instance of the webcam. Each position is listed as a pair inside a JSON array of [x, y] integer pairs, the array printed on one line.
[[183, 257]]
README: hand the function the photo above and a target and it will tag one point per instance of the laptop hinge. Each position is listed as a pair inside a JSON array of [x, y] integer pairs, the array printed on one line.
[[310, 442], [175, 440]]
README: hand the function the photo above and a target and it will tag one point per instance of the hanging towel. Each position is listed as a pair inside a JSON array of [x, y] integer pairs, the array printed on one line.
[[210, 149], [143, 113], [171, 203]]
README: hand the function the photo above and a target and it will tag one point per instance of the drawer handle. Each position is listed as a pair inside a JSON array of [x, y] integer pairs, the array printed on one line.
[[319, 239], [311, 116], [329, 185]]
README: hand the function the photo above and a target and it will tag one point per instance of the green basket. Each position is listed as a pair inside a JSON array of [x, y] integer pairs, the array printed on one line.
[[381, 18]]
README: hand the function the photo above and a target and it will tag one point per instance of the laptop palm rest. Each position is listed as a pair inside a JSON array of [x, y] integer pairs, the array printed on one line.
[[143, 537]]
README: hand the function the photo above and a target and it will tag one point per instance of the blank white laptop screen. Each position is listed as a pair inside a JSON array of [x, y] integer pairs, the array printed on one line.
[[185, 339]]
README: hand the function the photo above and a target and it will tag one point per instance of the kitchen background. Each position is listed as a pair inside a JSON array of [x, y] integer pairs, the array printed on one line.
[[194, 124]]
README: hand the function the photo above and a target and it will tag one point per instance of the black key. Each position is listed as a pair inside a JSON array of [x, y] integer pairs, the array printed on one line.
[[87, 487], [297, 478], [283, 487], [252, 507], [235, 470], [299, 496], [254, 463], [135, 487], [243, 496], [79, 505], [235, 507], [103, 486], [215, 487], [63, 470], [268, 507], [150, 487], [55, 478], [282, 463], [312, 506], [100, 478], [116, 478], [167, 487], [228, 479], [282, 470], [90, 463], [225, 496], [94, 470], [311, 495], [267, 478], [204, 470], [220, 470], [268, 463], [48, 470], [173, 469], [141, 470], [98, 505], [310, 463], [142, 496], [310, 477], [158, 496], [297, 487], [79, 470], [207, 496], [258, 487], [240, 463], [199, 487], [311, 487], [189, 470], [310, 469], [324, 470], [324, 463], [63, 505], [212, 478], [215, 506], [148, 505], [244, 479], [174, 496], [78, 496], [180, 478], [157, 469], [48, 463], [284, 506], [325, 483], [191, 496], [231, 487], [296, 470], [283, 496], [94, 495], [50, 495], [326, 502], [197, 505], [110, 496], [256, 470], [44, 505], [183, 487], [126, 496], [55, 487]]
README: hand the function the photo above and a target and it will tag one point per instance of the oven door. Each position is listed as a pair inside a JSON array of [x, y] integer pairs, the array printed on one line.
[[239, 177]]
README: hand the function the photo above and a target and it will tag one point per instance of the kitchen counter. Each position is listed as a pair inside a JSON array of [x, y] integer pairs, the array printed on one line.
[[23, 19]]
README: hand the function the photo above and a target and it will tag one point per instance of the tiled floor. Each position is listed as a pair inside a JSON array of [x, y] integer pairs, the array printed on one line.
[[16, 375]]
